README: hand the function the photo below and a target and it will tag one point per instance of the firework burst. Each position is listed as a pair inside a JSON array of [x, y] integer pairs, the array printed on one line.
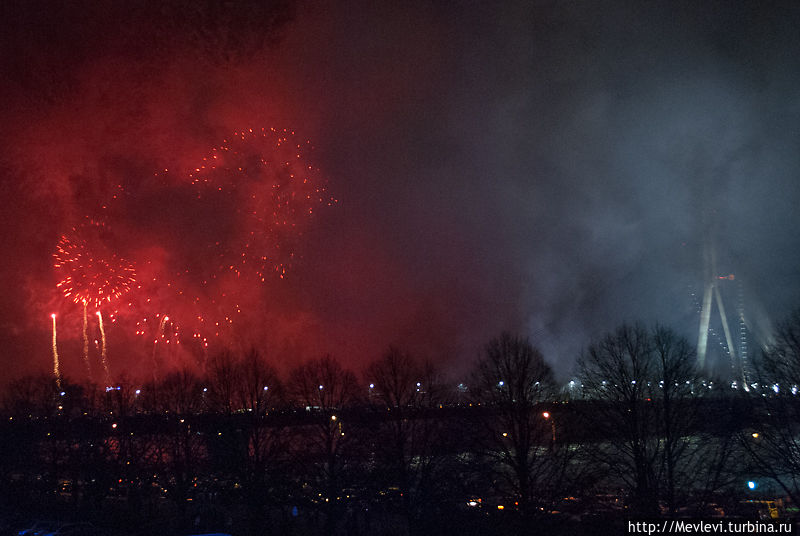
[[201, 237], [90, 272], [268, 180]]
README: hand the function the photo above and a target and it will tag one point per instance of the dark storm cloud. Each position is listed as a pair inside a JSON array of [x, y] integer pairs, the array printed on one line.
[[543, 167]]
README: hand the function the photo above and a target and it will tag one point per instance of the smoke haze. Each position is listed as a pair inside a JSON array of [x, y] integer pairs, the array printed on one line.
[[549, 168]]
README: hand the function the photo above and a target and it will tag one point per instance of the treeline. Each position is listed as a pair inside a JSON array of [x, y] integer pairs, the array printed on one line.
[[400, 450]]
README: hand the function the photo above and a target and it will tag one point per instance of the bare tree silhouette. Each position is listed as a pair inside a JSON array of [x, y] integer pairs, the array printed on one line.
[[325, 390], [512, 382]]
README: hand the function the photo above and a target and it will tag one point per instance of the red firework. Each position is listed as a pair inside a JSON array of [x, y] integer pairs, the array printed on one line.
[[90, 272], [266, 175], [235, 218]]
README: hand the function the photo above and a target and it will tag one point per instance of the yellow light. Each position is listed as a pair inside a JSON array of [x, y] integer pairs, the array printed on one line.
[[103, 351], [755, 435], [56, 371], [500, 507]]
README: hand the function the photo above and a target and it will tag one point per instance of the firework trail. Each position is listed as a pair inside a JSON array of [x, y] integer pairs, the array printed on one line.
[[56, 371], [86, 342], [103, 354]]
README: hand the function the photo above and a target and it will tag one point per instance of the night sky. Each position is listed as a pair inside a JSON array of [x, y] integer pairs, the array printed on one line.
[[549, 168]]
